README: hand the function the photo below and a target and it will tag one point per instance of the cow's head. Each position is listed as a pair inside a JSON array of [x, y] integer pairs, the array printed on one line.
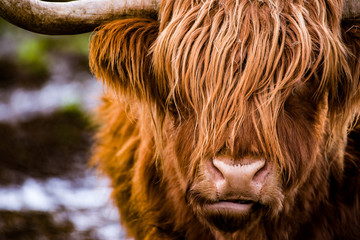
[[250, 100], [258, 99]]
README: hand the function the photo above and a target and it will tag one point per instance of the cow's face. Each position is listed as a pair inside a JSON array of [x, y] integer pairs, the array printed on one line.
[[246, 95], [249, 107]]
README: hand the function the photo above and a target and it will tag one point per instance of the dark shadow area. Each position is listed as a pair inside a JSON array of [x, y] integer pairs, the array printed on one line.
[[31, 225], [55, 145]]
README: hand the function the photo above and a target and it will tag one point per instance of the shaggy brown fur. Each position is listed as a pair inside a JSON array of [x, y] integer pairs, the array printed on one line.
[[272, 78]]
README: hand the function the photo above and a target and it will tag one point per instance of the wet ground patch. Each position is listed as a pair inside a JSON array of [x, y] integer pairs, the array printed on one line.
[[55, 145]]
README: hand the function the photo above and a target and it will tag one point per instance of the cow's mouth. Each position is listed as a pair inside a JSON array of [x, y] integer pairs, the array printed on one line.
[[229, 215], [233, 207]]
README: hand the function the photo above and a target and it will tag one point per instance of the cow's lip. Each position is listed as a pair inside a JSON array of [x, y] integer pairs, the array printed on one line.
[[239, 206], [229, 215]]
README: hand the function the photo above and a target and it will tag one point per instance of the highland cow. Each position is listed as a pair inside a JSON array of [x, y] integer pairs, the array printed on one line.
[[229, 119]]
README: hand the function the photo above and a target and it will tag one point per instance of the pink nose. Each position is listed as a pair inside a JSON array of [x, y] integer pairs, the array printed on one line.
[[238, 178]]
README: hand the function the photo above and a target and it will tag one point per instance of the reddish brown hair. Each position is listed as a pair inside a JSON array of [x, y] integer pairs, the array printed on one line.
[[273, 78]]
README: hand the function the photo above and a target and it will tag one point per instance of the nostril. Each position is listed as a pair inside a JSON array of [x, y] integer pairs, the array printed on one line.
[[214, 172], [262, 173]]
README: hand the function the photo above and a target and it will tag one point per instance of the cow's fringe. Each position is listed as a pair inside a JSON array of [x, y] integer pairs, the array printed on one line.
[[227, 61]]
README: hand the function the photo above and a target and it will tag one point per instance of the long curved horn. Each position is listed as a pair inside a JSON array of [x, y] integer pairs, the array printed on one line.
[[63, 18], [351, 10]]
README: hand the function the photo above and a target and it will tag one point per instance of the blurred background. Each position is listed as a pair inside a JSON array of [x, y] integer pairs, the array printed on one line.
[[47, 96]]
